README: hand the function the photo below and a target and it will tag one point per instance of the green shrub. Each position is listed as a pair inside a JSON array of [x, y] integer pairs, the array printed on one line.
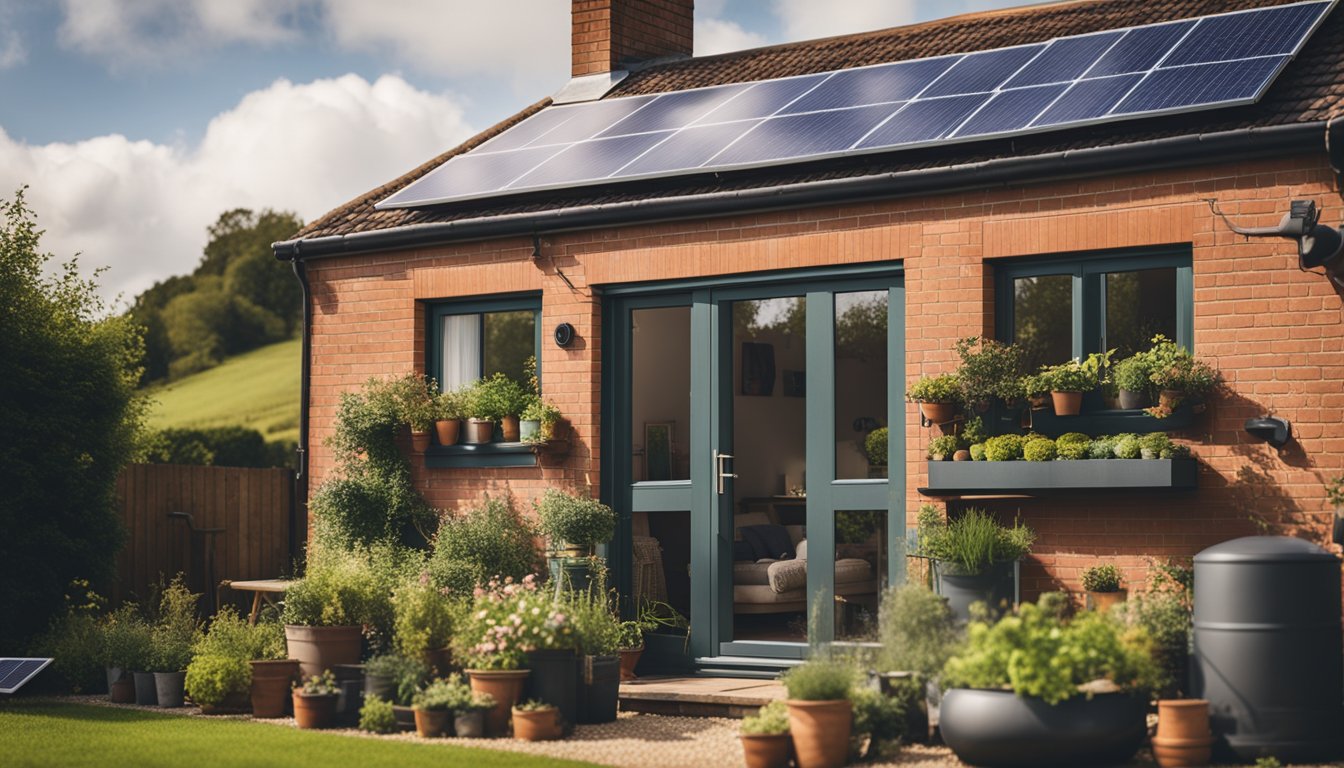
[[1172, 367], [1036, 652], [1164, 612], [974, 431], [1072, 451], [1102, 578], [972, 542], [448, 405], [437, 696], [1042, 449], [597, 630], [574, 519], [1153, 444], [1072, 376], [494, 398], [1132, 373], [488, 540], [915, 628], [883, 720], [176, 630], [1175, 451], [944, 388], [407, 675], [233, 636], [875, 446], [415, 401], [977, 451], [1004, 448], [771, 719], [75, 643], [1073, 437], [989, 369], [819, 680], [126, 639], [217, 446], [1127, 447], [377, 716], [942, 447], [211, 679], [422, 617], [1101, 448], [350, 588]]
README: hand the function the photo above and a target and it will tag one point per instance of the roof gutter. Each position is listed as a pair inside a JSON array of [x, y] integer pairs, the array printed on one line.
[[1169, 152]]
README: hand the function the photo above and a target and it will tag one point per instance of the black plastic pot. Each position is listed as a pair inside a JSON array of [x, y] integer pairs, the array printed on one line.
[[350, 681], [382, 686], [168, 688], [405, 717], [993, 587], [599, 688], [1000, 728], [555, 680], [146, 695]]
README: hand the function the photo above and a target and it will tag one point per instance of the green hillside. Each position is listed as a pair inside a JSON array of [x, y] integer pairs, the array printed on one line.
[[258, 389]]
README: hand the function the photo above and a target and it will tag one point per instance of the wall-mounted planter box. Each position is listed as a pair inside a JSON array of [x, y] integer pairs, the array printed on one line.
[[954, 478], [1113, 422]]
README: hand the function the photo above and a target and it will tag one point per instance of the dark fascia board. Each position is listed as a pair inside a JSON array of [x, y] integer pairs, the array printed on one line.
[[1171, 152]]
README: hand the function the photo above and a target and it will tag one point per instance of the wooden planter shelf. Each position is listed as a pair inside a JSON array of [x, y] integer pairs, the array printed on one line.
[[495, 454], [1041, 478]]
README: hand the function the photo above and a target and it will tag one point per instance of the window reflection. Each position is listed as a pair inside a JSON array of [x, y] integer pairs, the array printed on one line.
[[1139, 305], [1043, 318], [860, 381]]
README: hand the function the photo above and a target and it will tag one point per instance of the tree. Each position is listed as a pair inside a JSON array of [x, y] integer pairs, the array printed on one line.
[[72, 418]]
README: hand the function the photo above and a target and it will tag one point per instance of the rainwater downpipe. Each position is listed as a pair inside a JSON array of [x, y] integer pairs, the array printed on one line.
[[298, 523]]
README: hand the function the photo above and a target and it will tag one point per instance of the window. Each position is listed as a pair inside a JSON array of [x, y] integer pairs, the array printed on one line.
[[474, 340], [1062, 308]]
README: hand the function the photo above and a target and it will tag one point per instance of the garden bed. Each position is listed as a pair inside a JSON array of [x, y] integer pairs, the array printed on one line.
[[951, 478]]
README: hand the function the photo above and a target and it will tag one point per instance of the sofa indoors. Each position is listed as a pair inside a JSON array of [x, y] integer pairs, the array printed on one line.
[[779, 584]]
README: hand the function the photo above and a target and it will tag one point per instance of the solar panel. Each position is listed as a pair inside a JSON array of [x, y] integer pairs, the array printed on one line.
[[1213, 61], [16, 672]]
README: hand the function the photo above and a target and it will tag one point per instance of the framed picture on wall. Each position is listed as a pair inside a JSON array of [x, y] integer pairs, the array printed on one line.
[[658, 450]]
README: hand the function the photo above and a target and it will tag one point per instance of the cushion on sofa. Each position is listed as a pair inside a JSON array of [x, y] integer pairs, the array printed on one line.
[[768, 541], [751, 573], [852, 569], [788, 575]]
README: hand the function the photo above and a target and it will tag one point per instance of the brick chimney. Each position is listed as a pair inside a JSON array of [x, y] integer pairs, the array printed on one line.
[[609, 35]]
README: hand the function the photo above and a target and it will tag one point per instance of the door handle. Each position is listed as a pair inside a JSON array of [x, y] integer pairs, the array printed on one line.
[[719, 471]]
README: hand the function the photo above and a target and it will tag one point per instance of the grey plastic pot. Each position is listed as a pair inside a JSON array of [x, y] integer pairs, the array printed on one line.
[[470, 725], [994, 587], [168, 688], [145, 693], [1000, 728]]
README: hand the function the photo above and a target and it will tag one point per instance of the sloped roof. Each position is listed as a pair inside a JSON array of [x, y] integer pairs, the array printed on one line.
[[1308, 91]]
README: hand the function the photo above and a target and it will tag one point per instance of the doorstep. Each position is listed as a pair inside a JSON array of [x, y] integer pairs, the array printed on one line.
[[698, 696]]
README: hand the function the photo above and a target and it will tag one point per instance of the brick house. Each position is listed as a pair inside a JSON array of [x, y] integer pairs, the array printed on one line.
[[722, 322]]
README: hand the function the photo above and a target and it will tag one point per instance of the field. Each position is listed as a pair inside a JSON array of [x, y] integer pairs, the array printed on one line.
[[259, 389]]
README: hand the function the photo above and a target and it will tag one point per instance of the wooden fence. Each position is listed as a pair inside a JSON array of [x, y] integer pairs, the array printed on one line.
[[242, 520]]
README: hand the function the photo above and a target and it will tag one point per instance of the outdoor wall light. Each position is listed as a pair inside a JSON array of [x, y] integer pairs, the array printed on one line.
[[1318, 245], [1271, 429], [564, 335]]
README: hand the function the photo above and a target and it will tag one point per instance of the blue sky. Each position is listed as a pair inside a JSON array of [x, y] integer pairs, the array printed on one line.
[[135, 123]]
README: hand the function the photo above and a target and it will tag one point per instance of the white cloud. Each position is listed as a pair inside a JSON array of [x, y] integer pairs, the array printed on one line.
[[162, 32], [808, 19], [719, 36], [142, 208]]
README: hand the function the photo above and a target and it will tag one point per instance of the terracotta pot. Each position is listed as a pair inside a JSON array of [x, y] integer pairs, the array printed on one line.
[[432, 723], [1105, 601], [448, 431], [272, 682], [1067, 403], [1170, 398], [113, 675], [820, 732], [962, 455], [419, 441], [479, 431], [506, 686], [123, 691], [1183, 736], [318, 649], [1132, 401], [630, 660], [509, 426], [766, 750], [469, 725], [537, 724], [938, 413], [314, 711]]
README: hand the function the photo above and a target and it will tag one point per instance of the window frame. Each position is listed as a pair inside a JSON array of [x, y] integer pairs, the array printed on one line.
[[1089, 296], [435, 311]]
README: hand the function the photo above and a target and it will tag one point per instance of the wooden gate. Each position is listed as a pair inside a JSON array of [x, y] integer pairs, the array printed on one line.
[[241, 519]]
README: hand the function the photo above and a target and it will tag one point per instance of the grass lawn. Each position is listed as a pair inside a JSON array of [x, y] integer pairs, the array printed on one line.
[[75, 735], [259, 389]]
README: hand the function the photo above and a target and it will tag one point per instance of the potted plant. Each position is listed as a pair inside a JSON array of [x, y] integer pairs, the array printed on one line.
[[1037, 688], [315, 701], [1154, 444], [173, 636], [535, 720], [1131, 379], [1102, 584], [537, 424], [1067, 383], [415, 402], [219, 683], [875, 447], [448, 417], [1035, 389], [942, 447], [433, 707], [597, 633], [258, 650], [376, 716], [1183, 736], [765, 736], [125, 647], [478, 410], [1039, 448], [1178, 375], [423, 623], [989, 370], [324, 612], [469, 713], [396, 679], [630, 646], [937, 397], [820, 713], [575, 524], [497, 399], [497, 635], [973, 556]]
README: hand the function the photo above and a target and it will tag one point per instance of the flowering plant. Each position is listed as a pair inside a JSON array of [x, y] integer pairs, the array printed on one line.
[[510, 619]]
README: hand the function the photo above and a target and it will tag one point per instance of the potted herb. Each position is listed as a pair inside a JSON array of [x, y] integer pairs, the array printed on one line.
[[423, 623], [448, 417], [972, 556], [575, 524], [497, 399], [469, 710], [478, 408], [1037, 688], [415, 402], [535, 720], [258, 650], [630, 645], [1067, 383], [377, 716], [537, 424], [1154, 444], [937, 397], [496, 637], [396, 679], [125, 648], [1131, 379], [765, 736], [433, 707], [218, 684], [989, 370], [315, 701], [1178, 375], [324, 612], [941, 448], [1102, 584], [173, 636], [1035, 389], [820, 713]]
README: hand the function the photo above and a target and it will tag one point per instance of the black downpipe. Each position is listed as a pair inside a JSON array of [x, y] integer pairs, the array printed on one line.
[[298, 523]]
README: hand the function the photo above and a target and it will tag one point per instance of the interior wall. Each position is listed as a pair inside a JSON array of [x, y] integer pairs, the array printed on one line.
[[661, 383]]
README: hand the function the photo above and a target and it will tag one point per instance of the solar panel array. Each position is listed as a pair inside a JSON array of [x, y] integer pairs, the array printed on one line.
[[15, 672], [1180, 66]]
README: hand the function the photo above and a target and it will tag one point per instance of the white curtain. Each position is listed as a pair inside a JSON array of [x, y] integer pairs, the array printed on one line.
[[461, 353]]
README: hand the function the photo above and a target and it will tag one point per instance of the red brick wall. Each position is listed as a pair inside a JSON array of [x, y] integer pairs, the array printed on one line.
[[610, 33], [1274, 331]]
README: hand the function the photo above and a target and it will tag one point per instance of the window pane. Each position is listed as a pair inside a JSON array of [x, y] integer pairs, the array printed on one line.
[[860, 572], [1043, 318], [660, 393], [661, 560], [461, 353], [510, 338], [860, 380], [1139, 305]]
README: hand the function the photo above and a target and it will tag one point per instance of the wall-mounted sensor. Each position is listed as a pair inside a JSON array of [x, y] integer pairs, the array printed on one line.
[[564, 335]]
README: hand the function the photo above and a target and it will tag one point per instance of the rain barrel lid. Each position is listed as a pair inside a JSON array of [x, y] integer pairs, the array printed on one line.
[[1257, 549]]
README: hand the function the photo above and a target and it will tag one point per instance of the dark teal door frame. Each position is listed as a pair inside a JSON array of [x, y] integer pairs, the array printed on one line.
[[711, 430]]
